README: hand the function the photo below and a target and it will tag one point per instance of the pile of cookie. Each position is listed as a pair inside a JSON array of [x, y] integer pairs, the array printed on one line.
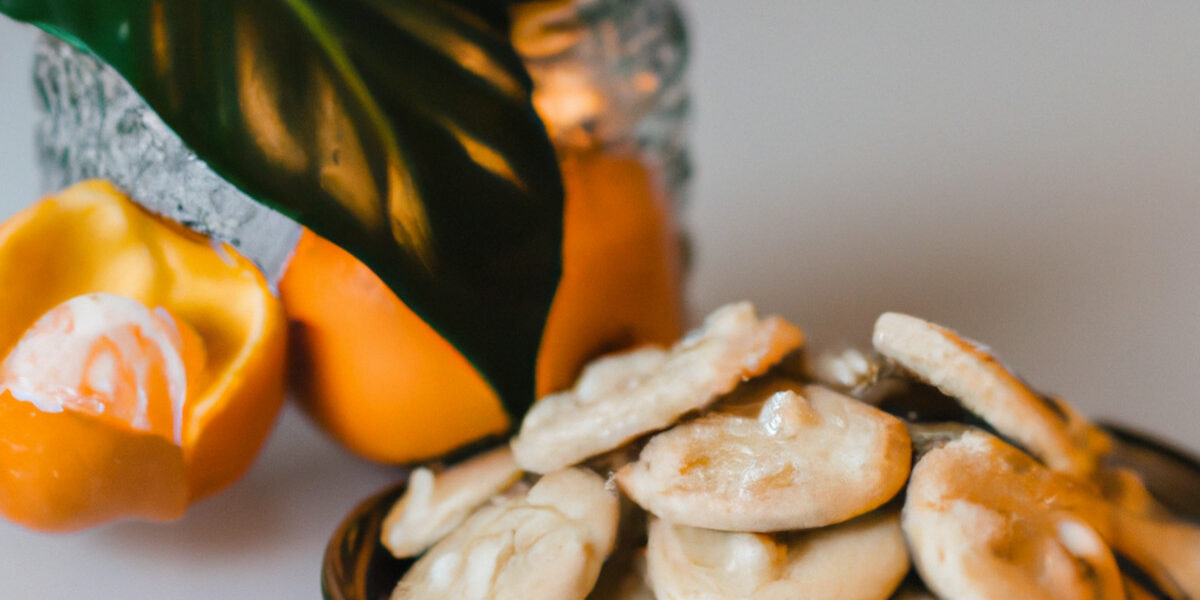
[[729, 466]]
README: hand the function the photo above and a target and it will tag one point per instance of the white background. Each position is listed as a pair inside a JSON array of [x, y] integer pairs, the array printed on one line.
[[1025, 172]]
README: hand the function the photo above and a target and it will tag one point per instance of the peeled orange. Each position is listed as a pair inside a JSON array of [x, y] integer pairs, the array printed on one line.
[[144, 365]]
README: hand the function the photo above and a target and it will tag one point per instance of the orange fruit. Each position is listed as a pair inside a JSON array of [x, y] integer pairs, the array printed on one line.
[[144, 365], [381, 381]]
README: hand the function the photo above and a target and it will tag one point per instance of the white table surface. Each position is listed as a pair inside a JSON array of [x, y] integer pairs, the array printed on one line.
[[1025, 172]]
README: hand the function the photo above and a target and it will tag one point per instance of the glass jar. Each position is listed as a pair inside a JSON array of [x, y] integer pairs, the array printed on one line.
[[610, 74]]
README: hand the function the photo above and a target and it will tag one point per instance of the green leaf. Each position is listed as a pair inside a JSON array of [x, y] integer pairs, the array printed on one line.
[[401, 130]]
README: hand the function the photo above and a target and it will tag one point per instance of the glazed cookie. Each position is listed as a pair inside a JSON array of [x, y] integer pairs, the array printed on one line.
[[806, 459], [623, 396]]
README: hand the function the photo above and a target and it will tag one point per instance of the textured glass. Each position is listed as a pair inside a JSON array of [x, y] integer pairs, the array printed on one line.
[[93, 125], [633, 55]]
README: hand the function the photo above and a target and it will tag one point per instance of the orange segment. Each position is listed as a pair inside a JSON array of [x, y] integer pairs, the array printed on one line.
[[80, 466], [386, 385], [108, 357]]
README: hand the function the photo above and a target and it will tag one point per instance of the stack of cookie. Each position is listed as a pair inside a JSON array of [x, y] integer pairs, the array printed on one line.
[[724, 467]]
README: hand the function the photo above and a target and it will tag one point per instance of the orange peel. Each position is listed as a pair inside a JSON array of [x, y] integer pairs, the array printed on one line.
[[79, 467]]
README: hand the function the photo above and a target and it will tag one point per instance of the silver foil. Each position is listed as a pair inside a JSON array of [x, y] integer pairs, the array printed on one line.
[[92, 124]]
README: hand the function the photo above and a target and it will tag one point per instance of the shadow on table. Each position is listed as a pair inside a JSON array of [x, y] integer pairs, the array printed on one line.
[[300, 487]]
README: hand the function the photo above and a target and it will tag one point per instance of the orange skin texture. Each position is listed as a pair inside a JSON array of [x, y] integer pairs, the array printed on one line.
[[382, 382], [67, 471], [368, 370]]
